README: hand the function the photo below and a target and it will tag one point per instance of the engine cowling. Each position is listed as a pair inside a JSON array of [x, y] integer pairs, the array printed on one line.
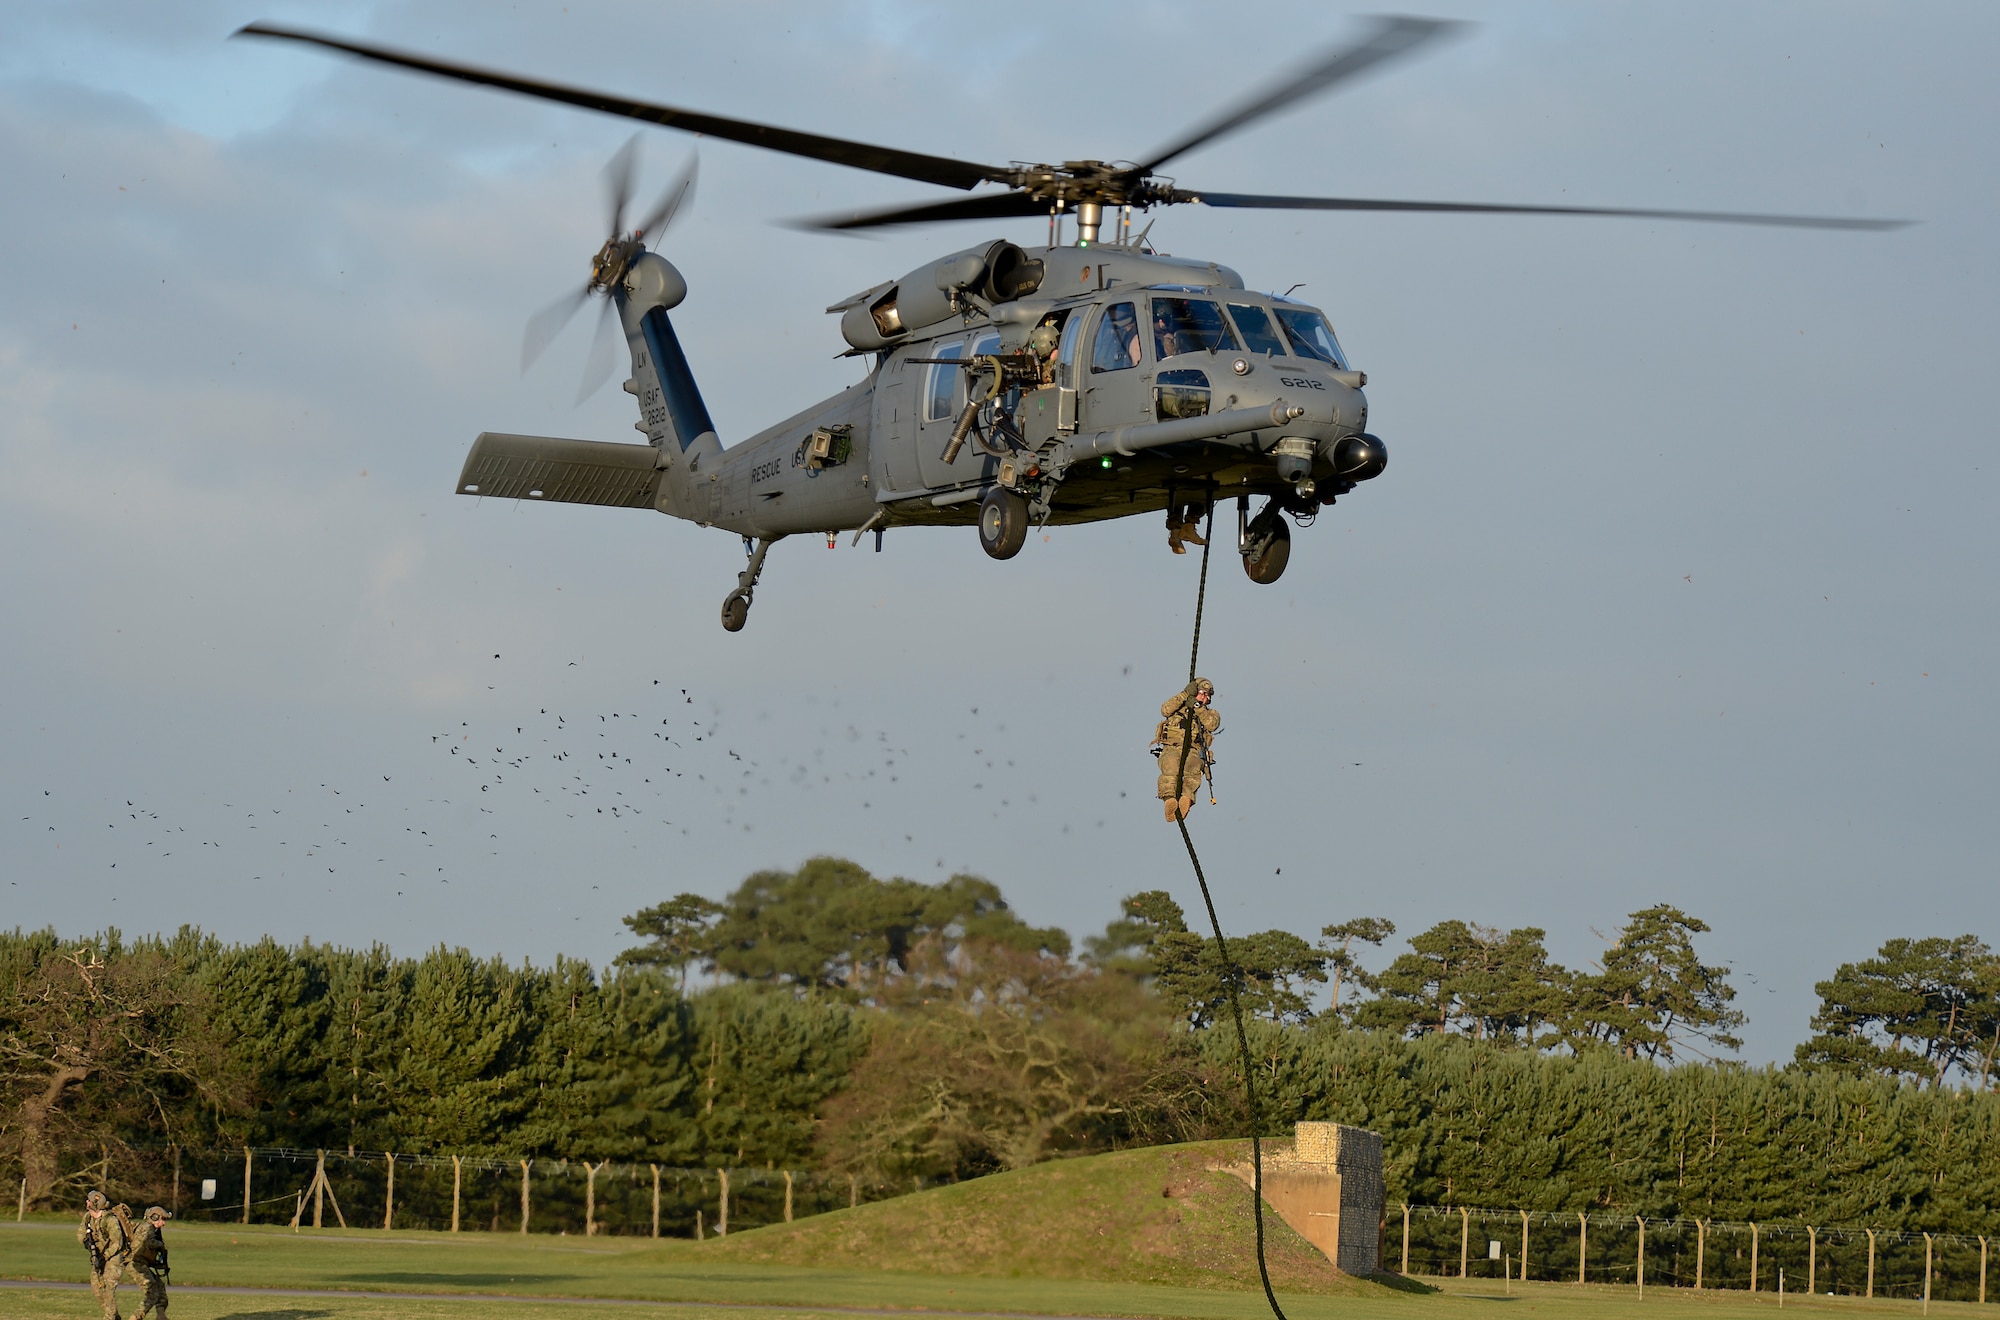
[[992, 273]]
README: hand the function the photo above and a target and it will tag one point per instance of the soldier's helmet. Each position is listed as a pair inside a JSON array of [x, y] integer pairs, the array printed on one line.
[[95, 1201], [159, 1213], [1203, 685]]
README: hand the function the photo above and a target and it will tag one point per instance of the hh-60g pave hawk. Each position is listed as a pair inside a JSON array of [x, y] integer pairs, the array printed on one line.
[[1009, 387]]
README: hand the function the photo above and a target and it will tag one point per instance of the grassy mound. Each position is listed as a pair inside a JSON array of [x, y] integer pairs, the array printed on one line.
[[1161, 1215]]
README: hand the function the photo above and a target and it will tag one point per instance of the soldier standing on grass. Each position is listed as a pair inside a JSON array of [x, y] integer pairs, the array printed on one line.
[[149, 1261], [103, 1235], [1181, 776]]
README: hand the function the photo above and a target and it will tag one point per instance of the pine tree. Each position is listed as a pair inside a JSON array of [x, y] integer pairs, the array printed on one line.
[[1920, 1008], [1653, 993]]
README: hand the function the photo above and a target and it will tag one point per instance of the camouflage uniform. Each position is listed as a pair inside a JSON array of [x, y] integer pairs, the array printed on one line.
[[1176, 782], [149, 1261], [103, 1235]]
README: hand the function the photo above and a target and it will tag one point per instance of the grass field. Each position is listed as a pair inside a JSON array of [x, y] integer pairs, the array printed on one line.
[[1153, 1233]]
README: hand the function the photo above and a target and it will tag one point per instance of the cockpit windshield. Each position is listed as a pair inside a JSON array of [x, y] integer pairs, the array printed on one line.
[[1311, 336], [1189, 325], [1259, 332]]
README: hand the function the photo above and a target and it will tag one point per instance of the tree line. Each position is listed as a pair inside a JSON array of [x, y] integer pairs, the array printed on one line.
[[825, 1017]]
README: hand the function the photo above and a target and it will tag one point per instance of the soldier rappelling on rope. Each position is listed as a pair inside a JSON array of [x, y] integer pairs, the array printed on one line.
[[1185, 744]]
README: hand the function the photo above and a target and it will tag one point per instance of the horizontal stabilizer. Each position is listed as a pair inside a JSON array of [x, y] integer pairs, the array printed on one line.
[[540, 467]]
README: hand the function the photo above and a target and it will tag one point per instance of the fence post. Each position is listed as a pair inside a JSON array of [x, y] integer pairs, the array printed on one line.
[[1464, 1240], [389, 1200], [21, 1213], [246, 1184], [457, 1168], [1871, 1264], [1982, 1256], [1642, 1257], [656, 1200], [590, 1198], [1753, 1258], [524, 1196], [1700, 1250], [722, 1214], [177, 1179], [1582, 1243], [788, 1196], [853, 1192], [700, 1234], [1927, 1274], [1524, 1246], [319, 1188], [1406, 1237], [1812, 1261]]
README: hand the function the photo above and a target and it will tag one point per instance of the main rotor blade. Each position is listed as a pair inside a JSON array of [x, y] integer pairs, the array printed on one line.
[[989, 206], [1393, 35], [546, 324], [662, 215], [618, 184], [1259, 201], [860, 155]]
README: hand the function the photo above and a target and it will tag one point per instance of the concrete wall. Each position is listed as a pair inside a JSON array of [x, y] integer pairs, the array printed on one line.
[[1328, 1187]]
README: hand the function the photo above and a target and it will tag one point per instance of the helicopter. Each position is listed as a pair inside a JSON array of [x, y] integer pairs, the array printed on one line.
[[1007, 387]]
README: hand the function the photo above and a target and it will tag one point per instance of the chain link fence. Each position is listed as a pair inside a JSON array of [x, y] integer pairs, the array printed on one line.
[[470, 1193], [1838, 1260]]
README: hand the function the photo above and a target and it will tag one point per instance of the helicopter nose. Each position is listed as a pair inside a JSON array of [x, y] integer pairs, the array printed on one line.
[[1360, 457]]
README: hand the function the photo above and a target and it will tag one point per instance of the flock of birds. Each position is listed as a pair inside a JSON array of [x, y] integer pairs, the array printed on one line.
[[657, 768]]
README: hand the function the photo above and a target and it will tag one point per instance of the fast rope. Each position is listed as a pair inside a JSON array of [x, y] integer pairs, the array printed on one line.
[[1231, 972]]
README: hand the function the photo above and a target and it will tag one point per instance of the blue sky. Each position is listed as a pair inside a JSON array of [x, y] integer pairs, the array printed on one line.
[[1679, 586]]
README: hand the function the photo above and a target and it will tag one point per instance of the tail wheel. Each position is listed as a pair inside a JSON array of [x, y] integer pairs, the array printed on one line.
[[1003, 523], [1267, 556], [735, 613]]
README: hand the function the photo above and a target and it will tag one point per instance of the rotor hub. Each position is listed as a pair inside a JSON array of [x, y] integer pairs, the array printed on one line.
[[609, 267], [1080, 182]]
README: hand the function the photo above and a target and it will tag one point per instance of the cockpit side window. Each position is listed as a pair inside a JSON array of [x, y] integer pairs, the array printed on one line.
[[1189, 325], [942, 386], [1116, 345], [1311, 336], [1259, 334]]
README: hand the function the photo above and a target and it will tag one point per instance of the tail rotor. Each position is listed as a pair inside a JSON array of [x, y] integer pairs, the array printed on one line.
[[608, 268]]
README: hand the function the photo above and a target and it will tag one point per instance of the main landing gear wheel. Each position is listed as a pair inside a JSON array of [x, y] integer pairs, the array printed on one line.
[[1003, 523], [736, 605], [1269, 550]]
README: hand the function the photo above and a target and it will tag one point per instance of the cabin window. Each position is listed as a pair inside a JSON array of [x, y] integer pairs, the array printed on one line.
[[1189, 325], [1116, 345], [1311, 336], [1260, 335], [1180, 394], [986, 345], [942, 386]]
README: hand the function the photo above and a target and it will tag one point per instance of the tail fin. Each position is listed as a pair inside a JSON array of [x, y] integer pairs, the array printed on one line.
[[672, 413]]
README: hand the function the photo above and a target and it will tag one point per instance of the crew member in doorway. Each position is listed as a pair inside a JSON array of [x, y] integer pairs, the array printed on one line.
[[1184, 526]]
